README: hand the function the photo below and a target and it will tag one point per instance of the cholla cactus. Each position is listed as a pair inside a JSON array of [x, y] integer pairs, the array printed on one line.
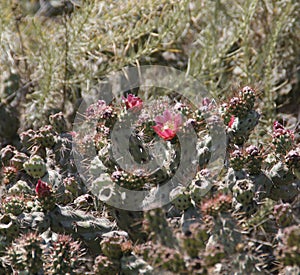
[[253, 160], [237, 107], [45, 195], [240, 128], [243, 191], [18, 160], [72, 185], [283, 214], [283, 139], [130, 181], [105, 266], [20, 188], [220, 203], [58, 122], [9, 175], [195, 239], [237, 160], [35, 167], [45, 136], [250, 196], [115, 244], [27, 138], [102, 113], [156, 226], [6, 154], [13, 204], [180, 198], [285, 183], [166, 258], [65, 256], [288, 252], [240, 116], [247, 94], [26, 254]]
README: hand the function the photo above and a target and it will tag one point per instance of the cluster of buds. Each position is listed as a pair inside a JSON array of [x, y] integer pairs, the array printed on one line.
[[131, 181], [283, 139], [241, 105], [253, 160], [221, 203], [45, 136], [237, 160], [13, 204], [102, 113], [250, 159], [239, 115], [9, 175]]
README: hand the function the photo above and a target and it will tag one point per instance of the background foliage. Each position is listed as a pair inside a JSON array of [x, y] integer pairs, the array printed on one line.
[[49, 59]]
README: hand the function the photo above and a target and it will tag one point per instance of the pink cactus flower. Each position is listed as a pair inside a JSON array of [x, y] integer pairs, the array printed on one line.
[[133, 102], [42, 189], [167, 125], [231, 121]]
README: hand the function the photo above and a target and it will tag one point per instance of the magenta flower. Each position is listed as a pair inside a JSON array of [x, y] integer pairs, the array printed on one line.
[[167, 125], [230, 123], [133, 102], [42, 189]]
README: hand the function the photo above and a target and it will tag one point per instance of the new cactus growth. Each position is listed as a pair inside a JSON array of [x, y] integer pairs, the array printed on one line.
[[180, 198], [35, 167]]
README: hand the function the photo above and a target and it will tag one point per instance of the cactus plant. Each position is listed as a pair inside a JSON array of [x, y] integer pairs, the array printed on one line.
[[180, 198], [105, 266], [58, 122], [65, 256], [115, 244], [26, 254], [241, 220], [35, 167]]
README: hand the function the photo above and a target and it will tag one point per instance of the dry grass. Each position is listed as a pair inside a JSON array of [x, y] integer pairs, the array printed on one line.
[[225, 44]]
